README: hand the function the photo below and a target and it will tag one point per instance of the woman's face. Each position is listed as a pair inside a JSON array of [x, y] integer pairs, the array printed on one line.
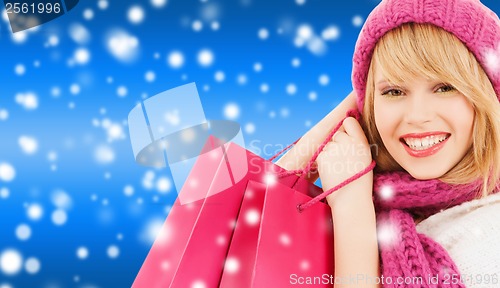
[[426, 126]]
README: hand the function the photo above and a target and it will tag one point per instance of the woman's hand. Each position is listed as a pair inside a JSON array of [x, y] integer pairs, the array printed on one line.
[[353, 213], [345, 155], [300, 154]]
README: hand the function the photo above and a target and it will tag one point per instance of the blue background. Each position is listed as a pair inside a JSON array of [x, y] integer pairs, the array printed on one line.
[[101, 211]]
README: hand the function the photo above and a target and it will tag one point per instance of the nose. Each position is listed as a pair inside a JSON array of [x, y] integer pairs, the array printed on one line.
[[419, 109]]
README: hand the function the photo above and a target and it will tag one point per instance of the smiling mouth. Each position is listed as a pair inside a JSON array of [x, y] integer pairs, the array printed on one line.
[[423, 143]]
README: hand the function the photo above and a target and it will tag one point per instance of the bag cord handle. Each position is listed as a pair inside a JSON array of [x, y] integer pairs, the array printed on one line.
[[301, 207]]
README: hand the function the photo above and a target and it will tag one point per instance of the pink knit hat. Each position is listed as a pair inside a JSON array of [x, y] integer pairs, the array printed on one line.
[[473, 23]]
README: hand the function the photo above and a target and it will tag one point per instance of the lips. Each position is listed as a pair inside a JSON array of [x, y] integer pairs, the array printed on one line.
[[424, 144]]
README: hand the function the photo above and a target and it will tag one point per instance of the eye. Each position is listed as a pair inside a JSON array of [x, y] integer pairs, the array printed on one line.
[[445, 88], [392, 93]]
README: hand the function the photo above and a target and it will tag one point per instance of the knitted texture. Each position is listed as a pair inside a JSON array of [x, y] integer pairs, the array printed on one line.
[[470, 21], [405, 254]]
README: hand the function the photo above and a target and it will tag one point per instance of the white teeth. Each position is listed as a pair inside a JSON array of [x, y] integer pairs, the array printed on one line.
[[425, 142]]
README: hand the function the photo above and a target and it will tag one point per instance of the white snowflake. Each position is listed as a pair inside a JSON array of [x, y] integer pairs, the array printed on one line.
[[150, 76], [55, 92], [61, 199], [284, 112], [285, 239], [28, 144], [270, 179], [123, 46], [252, 217], [324, 80], [331, 33], [74, 89], [4, 193], [492, 60], [113, 251], [316, 46], [257, 67], [19, 37], [82, 252], [215, 25], [231, 111], [103, 4], [79, 34], [219, 76], [10, 262], [305, 265], [175, 59], [153, 230], [158, 3], [32, 265], [295, 62], [114, 132], [128, 190], [357, 21], [210, 11], [23, 232], [386, 192], [88, 14], [81, 56], [305, 32], [4, 114], [121, 91], [20, 69], [147, 180], [28, 101], [135, 14], [221, 240], [250, 128], [197, 25], [263, 33], [387, 234], [242, 79], [7, 172], [291, 89], [53, 40], [163, 185], [312, 96], [264, 88], [35, 211], [205, 57], [232, 265], [198, 284]]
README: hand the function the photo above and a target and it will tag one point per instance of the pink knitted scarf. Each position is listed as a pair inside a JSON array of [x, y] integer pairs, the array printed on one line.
[[407, 255]]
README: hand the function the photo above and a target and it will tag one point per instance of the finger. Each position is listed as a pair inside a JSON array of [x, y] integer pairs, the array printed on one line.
[[340, 130], [340, 137], [353, 129]]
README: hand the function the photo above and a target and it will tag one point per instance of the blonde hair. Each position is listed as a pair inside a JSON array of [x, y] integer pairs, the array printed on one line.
[[428, 51]]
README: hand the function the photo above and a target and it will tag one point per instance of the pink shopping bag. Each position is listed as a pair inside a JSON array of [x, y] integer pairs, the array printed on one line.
[[194, 241], [252, 234], [274, 245]]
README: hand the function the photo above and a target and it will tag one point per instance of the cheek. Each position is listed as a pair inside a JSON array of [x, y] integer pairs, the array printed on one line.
[[385, 119], [462, 114]]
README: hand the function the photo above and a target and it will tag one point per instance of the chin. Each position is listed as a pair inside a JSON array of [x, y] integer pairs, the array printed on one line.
[[425, 174]]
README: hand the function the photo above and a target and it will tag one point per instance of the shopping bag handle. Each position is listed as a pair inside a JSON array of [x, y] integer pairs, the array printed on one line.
[[301, 207]]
